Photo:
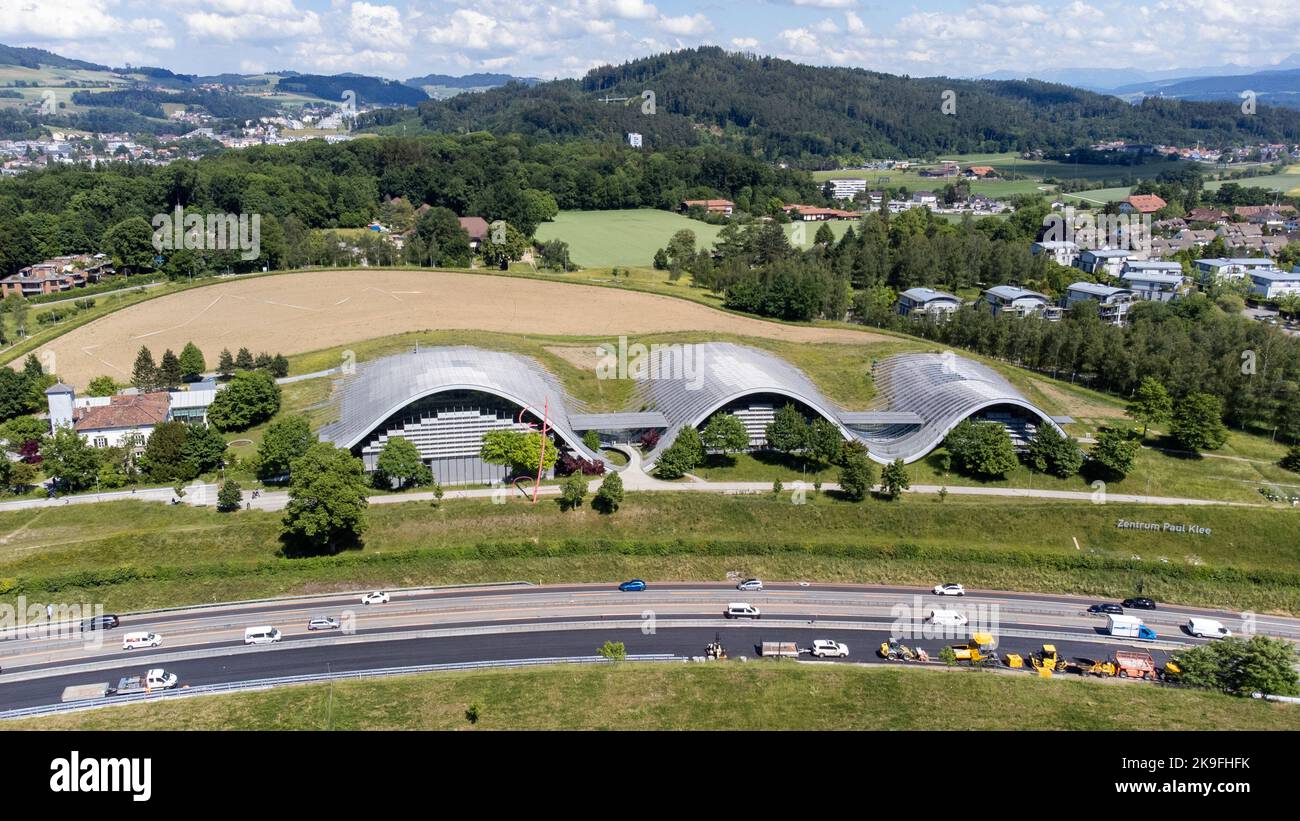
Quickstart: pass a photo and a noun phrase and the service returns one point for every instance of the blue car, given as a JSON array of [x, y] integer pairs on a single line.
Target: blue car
[[633, 586]]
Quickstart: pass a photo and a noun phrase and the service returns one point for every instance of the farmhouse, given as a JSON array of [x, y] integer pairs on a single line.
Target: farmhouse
[[981, 172], [814, 213], [712, 206], [1142, 204], [126, 418], [477, 228]]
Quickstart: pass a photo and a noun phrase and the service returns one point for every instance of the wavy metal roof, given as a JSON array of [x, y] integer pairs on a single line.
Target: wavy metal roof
[[715, 374], [382, 387], [942, 389], [924, 395]]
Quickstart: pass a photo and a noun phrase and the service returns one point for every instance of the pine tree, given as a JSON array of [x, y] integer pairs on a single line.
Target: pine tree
[[225, 364], [244, 360], [170, 373], [145, 373]]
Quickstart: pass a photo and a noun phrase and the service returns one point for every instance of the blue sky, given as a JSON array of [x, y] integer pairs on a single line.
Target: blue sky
[[566, 37]]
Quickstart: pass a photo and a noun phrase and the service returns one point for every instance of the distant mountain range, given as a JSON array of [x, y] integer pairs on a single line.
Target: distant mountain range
[[1274, 85], [369, 90]]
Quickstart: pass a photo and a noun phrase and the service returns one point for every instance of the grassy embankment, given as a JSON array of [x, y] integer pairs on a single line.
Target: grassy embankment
[[134, 555], [753, 696]]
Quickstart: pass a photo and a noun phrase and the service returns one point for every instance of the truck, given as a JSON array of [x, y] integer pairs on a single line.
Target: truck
[[1135, 664], [978, 650], [779, 649], [155, 679], [1129, 627]]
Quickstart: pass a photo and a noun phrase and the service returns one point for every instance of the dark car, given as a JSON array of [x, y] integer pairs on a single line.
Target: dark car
[[1107, 607], [633, 586], [105, 622], [1139, 604]]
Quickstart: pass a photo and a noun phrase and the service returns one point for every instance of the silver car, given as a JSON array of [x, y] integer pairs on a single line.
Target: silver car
[[323, 623], [750, 584]]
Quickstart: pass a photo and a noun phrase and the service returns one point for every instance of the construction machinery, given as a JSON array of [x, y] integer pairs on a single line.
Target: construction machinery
[[1135, 664], [714, 651], [1094, 667], [978, 650], [895, 650], [1047, 659]]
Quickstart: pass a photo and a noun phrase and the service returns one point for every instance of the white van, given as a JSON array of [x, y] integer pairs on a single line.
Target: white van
[[741, 610], [143, 639], [1207, 629], [261, 635], [947, 618]]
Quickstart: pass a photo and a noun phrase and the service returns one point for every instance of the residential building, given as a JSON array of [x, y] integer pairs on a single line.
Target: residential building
[[634, 139], [1108, 261], [1112, 303], [58, 274], [815, 213], [935, 304], [1142, 204], [1231, 268], [1154, 285], [847, 189], [925, 198], [1064, 252], [1213, 215], [1016, 301], [477, 228], [1273, 284], [981, 172], [127, 418], [712, 206]]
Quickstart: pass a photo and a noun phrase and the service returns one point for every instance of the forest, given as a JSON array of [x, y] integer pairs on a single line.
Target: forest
[[816, 117], [71, 209]]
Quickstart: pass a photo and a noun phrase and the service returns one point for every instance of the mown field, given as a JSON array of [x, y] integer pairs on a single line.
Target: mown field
[[727, 696], [136, 555]]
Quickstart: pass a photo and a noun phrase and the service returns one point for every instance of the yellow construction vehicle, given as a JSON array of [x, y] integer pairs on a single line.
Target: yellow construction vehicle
[[978, 650], [1047, 659], [1095, 667]]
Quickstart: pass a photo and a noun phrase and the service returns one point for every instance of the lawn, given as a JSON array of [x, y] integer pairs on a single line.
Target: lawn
[[629, 238], [1288, 182], [726, 696], [135, 555]]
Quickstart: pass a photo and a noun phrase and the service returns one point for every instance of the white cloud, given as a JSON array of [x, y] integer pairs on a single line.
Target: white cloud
[[377, 25], [52, 20], [691, 25]]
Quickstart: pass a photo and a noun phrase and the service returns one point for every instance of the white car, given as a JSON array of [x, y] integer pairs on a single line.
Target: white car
[[823, 648], [377, 597], [949, 590], [741, 610], [750, 584]]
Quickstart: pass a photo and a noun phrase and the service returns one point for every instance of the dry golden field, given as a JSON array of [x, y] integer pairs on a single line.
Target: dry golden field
[[296, 313]]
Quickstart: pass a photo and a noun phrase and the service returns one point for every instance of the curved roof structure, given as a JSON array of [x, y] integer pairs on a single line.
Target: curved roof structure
[[925, 396], [382, 387], [942, 390], [713, 374]]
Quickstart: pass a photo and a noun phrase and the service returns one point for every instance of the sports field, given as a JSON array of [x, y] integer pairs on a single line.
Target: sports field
[[295, 313]]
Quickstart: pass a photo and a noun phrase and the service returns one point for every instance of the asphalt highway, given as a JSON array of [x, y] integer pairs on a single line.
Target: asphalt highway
[[204, 645]]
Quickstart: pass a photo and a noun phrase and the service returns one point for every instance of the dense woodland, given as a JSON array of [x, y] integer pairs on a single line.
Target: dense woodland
[[313, 184], [818, 117]]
